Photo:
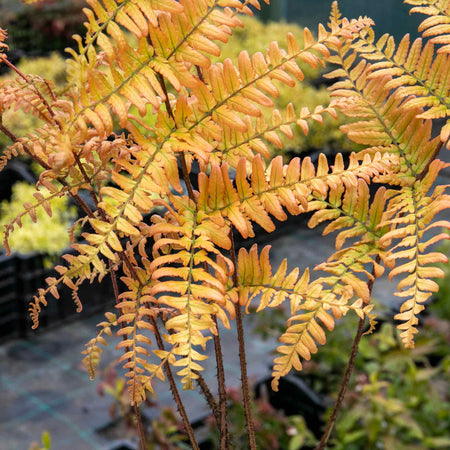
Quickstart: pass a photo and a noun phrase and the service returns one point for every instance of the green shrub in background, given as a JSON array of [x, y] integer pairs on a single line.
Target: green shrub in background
[[441, 300], [42, 25], [256, 36], [51, 68], [48, 234], [385, 410]]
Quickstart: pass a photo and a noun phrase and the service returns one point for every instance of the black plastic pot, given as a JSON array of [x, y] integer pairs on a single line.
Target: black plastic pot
[[121, 445], [20, 278], [14, 172], [294, 397]]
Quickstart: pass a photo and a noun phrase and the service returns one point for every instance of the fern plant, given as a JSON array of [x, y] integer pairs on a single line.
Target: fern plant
[[182, 271]]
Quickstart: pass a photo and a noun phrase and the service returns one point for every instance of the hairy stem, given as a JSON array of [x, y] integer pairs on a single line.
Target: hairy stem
[[137, 414], [348, 373], [8, 133], [344, 385], [242, 357], [186, 178], [174, 389], [222, 422], [208, 396], [88, 181]]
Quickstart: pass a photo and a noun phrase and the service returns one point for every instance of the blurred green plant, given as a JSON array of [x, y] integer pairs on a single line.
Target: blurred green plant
[[167, 432], [385, 410], [47, 234], [46, 442], [440, 305], [52, 68], [256, 36]]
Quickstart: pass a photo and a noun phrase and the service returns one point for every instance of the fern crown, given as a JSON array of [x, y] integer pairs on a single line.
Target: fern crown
[[144, 102]]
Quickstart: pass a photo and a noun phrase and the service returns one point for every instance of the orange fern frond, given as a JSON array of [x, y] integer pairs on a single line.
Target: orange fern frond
[[269, 191], [3, 36], [410, 215], [135, 308], [27, 95], [190, 240], [383, 125], [419, 75], [256, 280], [438, 24], [93, 351]]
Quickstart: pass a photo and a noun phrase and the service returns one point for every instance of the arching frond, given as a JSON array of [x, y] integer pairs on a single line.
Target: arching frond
[[438, 24], [383, 125], [419, 76], [269, 191], [93, 350], [410, 215], [190, 239]]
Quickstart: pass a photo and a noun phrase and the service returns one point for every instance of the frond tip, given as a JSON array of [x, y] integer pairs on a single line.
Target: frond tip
[[410, 214]]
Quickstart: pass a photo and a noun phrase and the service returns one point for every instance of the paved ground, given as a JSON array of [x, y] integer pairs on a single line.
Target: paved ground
[[44, 387]]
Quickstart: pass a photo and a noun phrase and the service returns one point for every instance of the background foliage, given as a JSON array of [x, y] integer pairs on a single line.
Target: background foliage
[[45, 234]]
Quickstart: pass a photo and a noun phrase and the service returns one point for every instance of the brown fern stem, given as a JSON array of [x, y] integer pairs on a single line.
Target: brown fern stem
[[174, 389], [8, 133], [137, 414], [422, 174], [221, 418], [208, 395], [186, 176], [344, 385], [222, 422], [242, 357], [348, 372], [88, 181]]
